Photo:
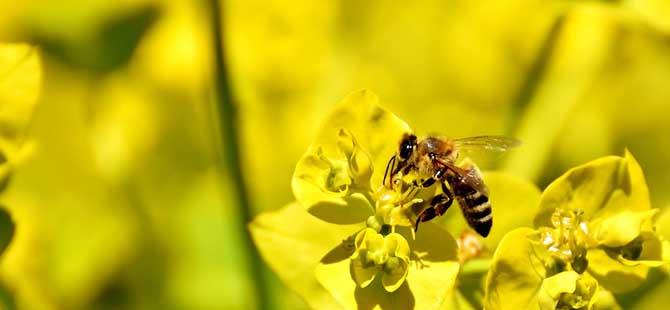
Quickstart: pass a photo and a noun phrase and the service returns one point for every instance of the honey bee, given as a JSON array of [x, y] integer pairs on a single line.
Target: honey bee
[[433, 159]]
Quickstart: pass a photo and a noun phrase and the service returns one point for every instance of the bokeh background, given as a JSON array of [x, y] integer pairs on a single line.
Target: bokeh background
[[126, 199]]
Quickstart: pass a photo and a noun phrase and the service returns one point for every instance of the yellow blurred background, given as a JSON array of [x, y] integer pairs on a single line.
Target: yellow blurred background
[[123, 199]]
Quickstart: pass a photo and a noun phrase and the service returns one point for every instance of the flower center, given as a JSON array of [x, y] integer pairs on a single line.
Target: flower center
[[399, 205], [568, 240]]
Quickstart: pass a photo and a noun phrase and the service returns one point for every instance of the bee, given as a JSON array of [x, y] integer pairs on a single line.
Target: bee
[[433, 159]]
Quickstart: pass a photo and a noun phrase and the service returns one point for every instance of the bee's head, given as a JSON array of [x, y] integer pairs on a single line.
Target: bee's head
[[407, 146]]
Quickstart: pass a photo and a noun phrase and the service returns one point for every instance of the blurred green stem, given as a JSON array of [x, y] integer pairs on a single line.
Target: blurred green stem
[[477, 266], [231, 152]]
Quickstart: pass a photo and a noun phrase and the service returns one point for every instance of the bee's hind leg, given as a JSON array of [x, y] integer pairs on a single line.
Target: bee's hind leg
[[424, 216], [438, 206]]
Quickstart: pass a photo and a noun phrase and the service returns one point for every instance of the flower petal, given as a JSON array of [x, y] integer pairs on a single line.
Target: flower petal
[[397, 245], [322, 185], [621, 228], [612, 274], [604, 186], [395, 273], [433, 265], [292, 242], [377, 130], [604, 300], [516, 274], [649, 249], [554, 286], [362, 274], [336, 277]]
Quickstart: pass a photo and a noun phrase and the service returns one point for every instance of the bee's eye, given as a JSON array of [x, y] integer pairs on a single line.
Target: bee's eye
[[406, 149]]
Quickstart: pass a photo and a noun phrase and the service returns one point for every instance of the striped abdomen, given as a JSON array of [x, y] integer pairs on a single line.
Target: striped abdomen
[[475, 205]]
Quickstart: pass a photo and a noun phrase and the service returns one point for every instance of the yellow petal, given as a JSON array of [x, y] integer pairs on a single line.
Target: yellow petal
[[377, 130], [437, 267], [363, 275], [516, 274], [323, 186], [396, 270], [292, 243], [601, 187], [621, 228], [397, 245], [554, 286], [613, 275]]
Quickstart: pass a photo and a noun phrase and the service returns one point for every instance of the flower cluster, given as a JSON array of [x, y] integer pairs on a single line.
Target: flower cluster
[[348, 240], [357, 231], [594, 237]]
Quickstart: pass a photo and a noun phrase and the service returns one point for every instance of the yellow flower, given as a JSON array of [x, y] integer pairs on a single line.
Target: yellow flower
[[594, 237], [376, 253], [355, 244]]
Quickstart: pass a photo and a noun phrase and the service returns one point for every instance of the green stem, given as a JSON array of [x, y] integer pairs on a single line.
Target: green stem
[[231, 153], [476, 266], [569, 64]]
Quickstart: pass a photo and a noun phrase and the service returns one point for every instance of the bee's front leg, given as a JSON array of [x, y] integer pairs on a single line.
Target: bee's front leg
[[437, 176], [390, 165]]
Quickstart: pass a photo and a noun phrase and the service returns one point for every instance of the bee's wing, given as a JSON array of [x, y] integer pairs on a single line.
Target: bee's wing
[[471, 177], [496, 144], [484, 149]]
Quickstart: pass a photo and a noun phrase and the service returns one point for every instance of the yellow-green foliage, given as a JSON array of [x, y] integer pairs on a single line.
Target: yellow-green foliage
[[114, 193]]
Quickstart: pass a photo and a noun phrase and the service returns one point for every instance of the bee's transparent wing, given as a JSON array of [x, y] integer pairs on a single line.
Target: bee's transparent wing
[[472, 177], [496, 144], [485, 149]]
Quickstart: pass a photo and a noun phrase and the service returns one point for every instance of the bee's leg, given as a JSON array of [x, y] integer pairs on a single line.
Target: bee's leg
[[391, 164], [438, 206], [425, 215], [445, 201], [437, 176], [405, 169]]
